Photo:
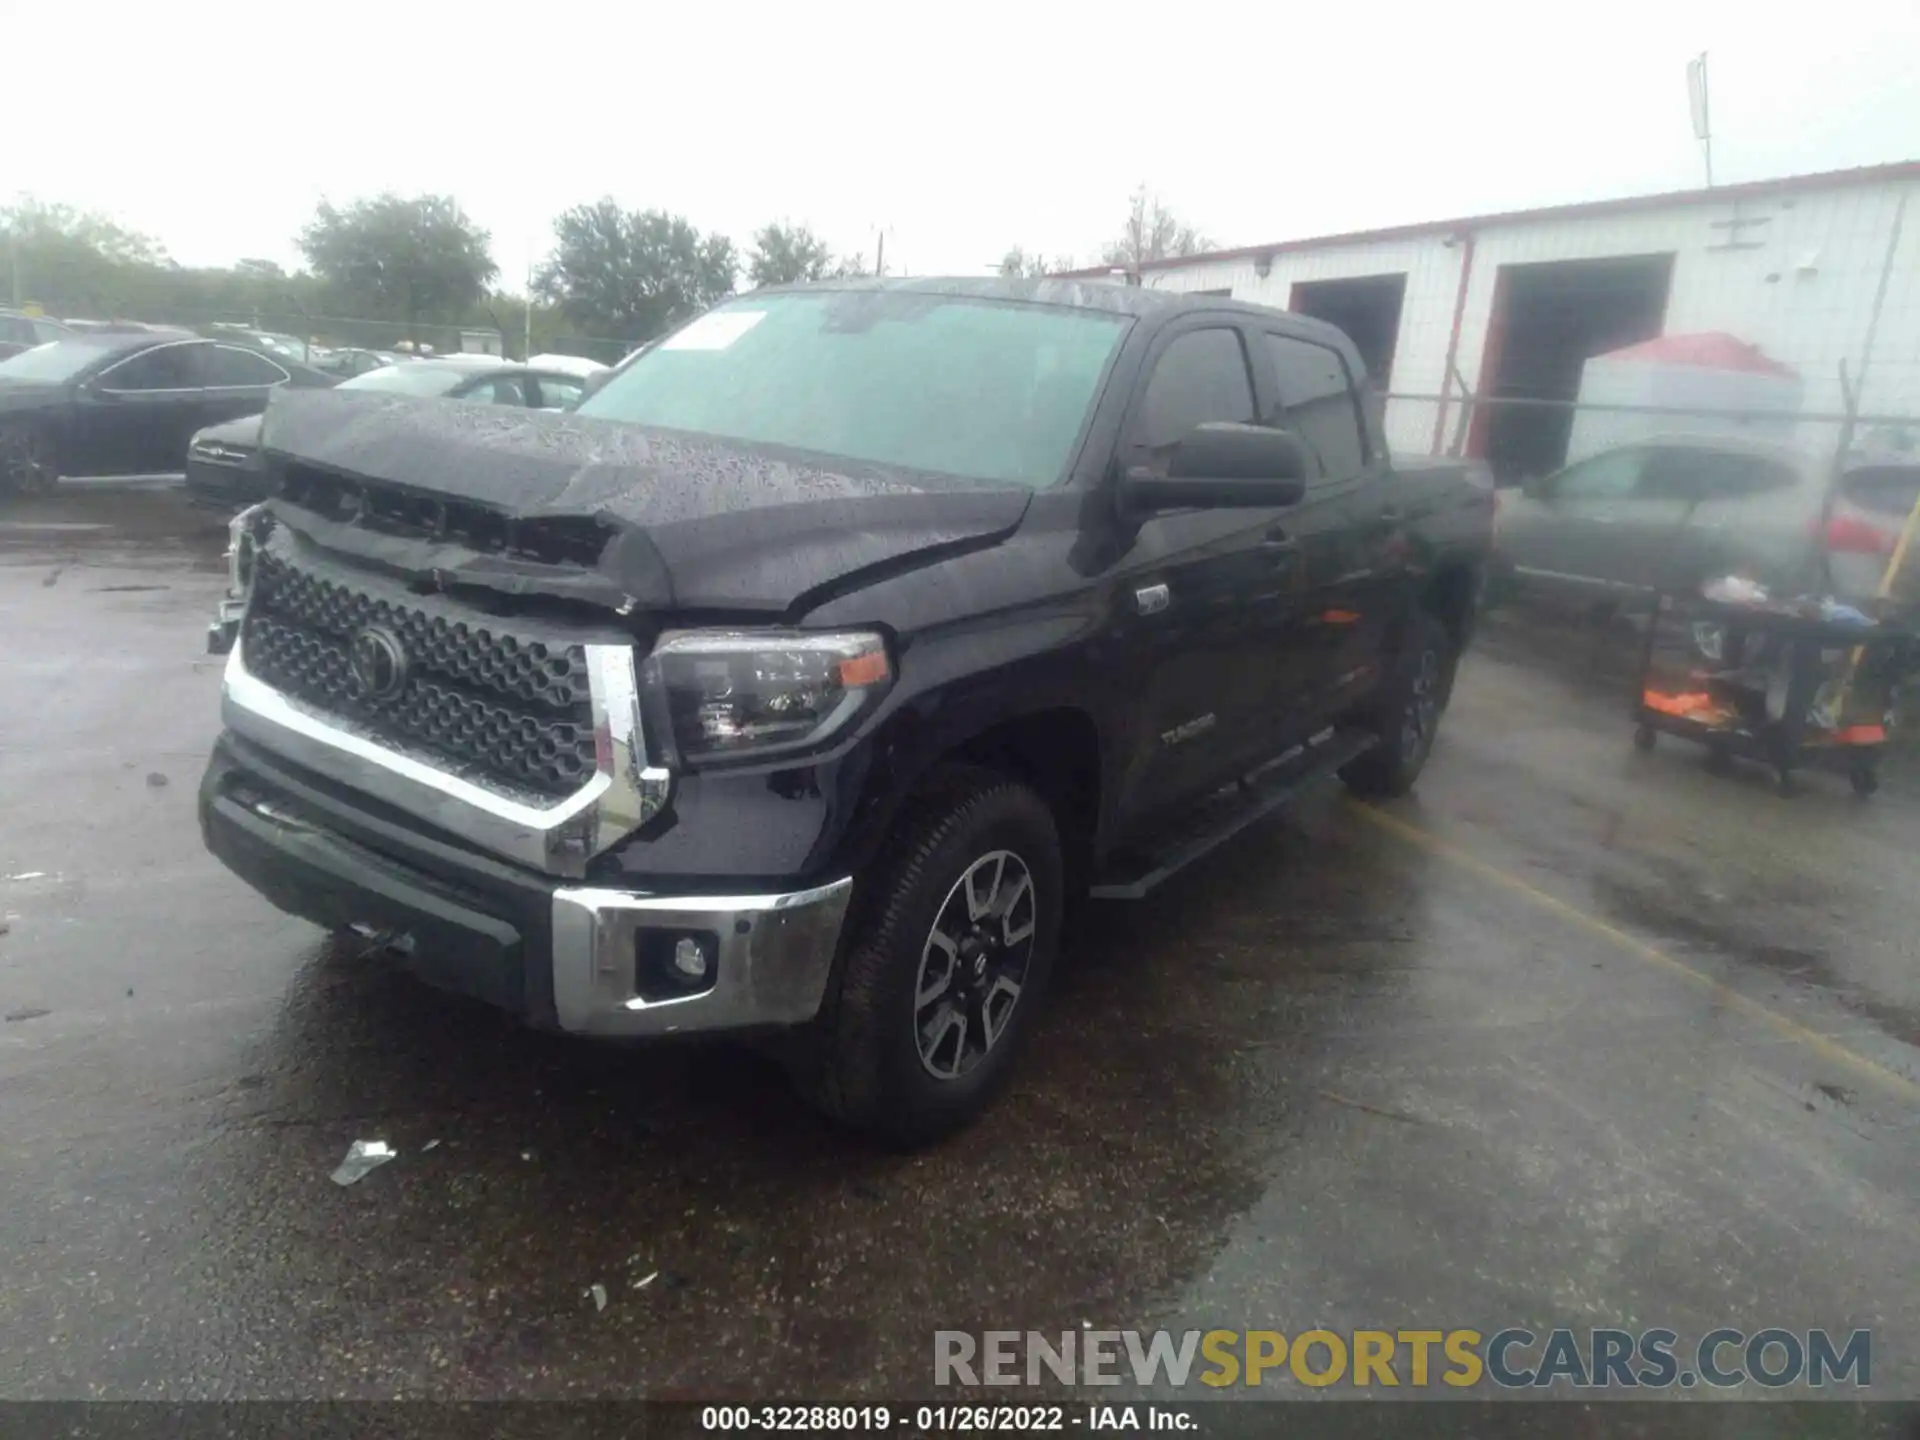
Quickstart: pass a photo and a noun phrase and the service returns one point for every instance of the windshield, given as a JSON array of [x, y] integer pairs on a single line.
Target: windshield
[[61, 360], [989, 390], [407, 378]]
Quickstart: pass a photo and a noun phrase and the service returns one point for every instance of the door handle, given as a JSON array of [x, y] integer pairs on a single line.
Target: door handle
[[1278, 542]]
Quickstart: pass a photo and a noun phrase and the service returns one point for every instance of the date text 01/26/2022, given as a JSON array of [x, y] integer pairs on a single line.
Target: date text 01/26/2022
[[945, 1419]]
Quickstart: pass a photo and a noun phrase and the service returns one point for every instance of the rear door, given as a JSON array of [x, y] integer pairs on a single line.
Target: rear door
[[1342, 532], [1751, 513], [137, 415], [239, 382], [1202, 593]]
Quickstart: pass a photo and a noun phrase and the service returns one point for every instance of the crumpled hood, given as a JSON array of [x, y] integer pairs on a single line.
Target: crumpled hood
[[696, 524], [241, 434]]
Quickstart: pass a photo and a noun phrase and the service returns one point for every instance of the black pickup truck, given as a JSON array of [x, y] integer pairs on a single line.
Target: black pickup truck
[[802, 680]]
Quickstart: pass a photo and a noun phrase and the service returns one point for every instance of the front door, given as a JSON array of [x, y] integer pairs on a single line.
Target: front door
[[1200, 595], [1566, 533], [136, 416]]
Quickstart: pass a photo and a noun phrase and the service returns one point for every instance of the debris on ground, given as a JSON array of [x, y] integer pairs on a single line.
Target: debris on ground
[[30, 1012], [29, 875], [155, 779], [526, 1154], [648, 1280], [430, 1145], [599, 1294], [363, 1157]]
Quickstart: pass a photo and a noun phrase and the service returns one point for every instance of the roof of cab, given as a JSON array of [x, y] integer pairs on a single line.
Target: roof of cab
[[1131, 300]]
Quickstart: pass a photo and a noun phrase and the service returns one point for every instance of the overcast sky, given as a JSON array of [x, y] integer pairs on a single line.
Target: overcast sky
[[961, 128]]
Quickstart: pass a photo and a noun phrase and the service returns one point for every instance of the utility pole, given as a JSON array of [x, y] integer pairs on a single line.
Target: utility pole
[[527, 353], [1697, 98], [880, 253], [13, 245]]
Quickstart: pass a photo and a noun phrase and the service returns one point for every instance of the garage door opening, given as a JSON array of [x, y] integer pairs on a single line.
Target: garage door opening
[[1367, 308], [1548, 321]]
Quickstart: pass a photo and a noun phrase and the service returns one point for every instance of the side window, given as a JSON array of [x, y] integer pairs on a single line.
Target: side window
[[1318, 404], [499, 390], [45, 332], [1611, 476], [17, 329], [169, 367], [1201, 377], [1736, 477], [232, 368], [560, 394]]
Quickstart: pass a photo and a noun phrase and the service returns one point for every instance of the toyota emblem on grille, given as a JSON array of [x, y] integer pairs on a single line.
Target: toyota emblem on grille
[[379, 663]]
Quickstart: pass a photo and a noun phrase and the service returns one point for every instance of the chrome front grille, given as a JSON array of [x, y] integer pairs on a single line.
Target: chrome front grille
[[492, 701]]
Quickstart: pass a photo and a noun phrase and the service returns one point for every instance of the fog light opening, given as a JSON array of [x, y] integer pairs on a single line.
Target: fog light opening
[[673, 964]]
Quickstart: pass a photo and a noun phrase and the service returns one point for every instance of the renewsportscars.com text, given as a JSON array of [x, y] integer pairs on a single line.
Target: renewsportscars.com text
[[1513, 1358]]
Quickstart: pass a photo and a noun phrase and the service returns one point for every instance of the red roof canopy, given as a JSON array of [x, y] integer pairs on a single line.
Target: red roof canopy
[[1713, 350]]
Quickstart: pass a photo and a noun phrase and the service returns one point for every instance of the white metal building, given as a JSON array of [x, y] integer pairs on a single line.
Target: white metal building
[[1512, 305]]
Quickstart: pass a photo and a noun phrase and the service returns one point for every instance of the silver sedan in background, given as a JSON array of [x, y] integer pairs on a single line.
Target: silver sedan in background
[[1669, 514]]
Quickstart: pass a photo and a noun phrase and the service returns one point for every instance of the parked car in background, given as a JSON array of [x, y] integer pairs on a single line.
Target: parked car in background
[[21, 331], [126, 403], [120, 327], [292, 347], [353, 361], [1669, 514], [223, 470], [579, 365]]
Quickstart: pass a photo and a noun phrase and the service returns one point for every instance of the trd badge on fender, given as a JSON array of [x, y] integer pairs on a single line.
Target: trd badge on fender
[[378, 663]]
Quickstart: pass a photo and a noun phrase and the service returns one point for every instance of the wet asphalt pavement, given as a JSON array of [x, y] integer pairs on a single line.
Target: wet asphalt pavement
[[1574, 1036]]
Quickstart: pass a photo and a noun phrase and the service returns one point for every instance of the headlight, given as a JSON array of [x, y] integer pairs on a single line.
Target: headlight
[[756, 694], [215, 453], [244, 534]]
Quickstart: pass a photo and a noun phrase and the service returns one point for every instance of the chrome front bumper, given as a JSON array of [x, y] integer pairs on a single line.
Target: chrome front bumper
[[774, 954], [582, 959]]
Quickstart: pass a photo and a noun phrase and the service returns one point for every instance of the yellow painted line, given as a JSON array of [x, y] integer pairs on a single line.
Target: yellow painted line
[[1824, 1045]]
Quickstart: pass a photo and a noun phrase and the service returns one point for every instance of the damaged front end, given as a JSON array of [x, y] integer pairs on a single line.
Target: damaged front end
[[244, 534]]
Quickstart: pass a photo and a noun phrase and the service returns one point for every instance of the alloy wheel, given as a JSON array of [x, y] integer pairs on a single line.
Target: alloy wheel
[[1423, 708], [974, 964]]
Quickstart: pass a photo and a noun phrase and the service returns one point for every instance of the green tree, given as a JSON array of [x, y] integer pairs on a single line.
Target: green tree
[[1151, 232], [629, 275], [786, 255], [1022, 264], [850, 267], [400, 258], [72, 261]]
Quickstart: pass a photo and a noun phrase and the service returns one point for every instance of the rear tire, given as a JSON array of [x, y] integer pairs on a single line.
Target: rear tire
[[1406, 718], [28, 462], [921, 1029]]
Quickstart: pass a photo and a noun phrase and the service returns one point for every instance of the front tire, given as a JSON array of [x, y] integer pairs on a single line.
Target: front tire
[[947, 964], [1406, 719]]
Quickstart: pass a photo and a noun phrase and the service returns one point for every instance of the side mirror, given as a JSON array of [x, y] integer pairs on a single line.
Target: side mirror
[[1222, 466]]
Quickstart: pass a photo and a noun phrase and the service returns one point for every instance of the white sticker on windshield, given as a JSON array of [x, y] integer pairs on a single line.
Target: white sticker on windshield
[[716, 331]]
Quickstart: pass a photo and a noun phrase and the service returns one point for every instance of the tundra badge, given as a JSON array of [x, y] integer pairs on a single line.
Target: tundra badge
[[1151, 599]]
